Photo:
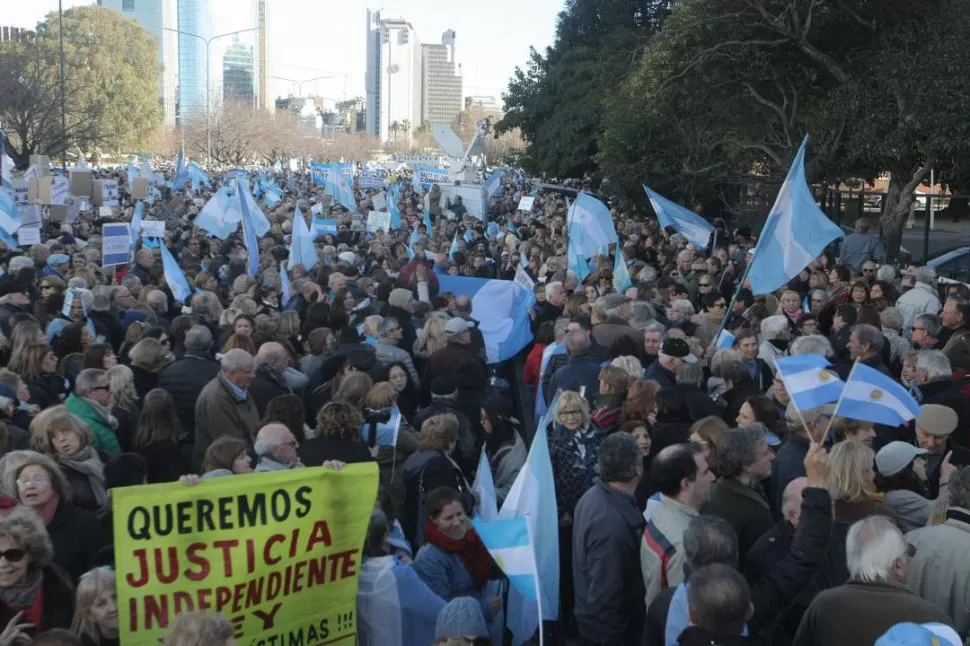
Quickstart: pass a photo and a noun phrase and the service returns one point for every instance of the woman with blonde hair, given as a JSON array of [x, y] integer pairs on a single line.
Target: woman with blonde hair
[[790, 305], [851, 483], [200, 629], [124, 404], [64, 437], [148, 358], [431, 337], [96, 608]]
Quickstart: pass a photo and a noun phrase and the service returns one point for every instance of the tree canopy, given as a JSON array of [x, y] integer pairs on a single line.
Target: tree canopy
[[111, 85]]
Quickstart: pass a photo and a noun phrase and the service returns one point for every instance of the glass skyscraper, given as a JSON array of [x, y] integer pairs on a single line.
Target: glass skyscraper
[[193, 18]]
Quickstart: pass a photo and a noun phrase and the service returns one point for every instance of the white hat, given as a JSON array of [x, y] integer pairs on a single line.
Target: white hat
[[457, 325], [347, 256], [893, 458]]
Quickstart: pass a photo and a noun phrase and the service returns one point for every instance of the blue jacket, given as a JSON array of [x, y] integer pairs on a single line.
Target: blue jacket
[[448, 577], [579, 372]]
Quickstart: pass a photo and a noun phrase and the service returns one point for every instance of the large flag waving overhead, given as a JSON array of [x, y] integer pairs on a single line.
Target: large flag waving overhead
[[302, 251], [809, 381], [249, 231], [696, 229], [872, 396], [174, 277], [795, 233], [181, 172], [589, 220]]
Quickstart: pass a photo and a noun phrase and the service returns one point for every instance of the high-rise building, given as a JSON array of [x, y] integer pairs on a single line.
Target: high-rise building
[[483, 102], [13, 34], [158, 17], [238, 79], [393, 77], [441, 96], [194, 70], [263, 18]]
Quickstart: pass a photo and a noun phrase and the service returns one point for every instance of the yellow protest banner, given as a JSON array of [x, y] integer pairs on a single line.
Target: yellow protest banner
[[276, 553]]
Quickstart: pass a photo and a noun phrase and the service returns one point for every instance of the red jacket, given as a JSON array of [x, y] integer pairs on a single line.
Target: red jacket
[[533, 364]]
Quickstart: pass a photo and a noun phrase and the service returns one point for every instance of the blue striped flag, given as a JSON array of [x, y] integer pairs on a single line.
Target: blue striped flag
[[696, 229], [871, 396], [509, 543], [809, 381], [10, 215], [484, 486], [621, 274], [174, 277], [249, 230]]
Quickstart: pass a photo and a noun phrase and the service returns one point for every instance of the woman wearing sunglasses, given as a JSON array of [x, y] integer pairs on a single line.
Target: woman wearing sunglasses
[[35, 595]]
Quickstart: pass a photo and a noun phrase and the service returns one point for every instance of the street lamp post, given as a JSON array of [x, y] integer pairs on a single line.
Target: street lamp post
[[60, 29], [208, 42], [299, 84]]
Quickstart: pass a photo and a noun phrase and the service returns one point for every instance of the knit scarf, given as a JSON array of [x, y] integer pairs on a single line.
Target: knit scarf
[[87, 463], [469, 549], [103, 413], [21, 597]]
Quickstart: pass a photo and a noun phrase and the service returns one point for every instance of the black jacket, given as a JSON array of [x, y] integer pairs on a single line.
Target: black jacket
[[469, 445], [315, 452], [581, 372], [745, 508], [112, 325], [142, 274], [47, 390], [145, 381], [408, 334], [607, 531], [184, 380], [735, 399], [76, 536], [81, 489], [265, 387], [947, 393], [58, 602], [661, 375], [789, 464], [165, 461], [424, 472]]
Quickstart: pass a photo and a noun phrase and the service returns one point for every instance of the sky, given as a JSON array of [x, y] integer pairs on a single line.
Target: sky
[[310, 38]]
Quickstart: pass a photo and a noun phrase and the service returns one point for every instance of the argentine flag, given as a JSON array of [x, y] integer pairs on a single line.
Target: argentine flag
[[10, 216], [502, 310], [302, 251], [249, 231], [493, 184], [484, 486], [696, 229], [324, 227], [590, 222], [871, 396], [509, 544], [221, 215], [621, 275], [136, 223], [454, 247], [795, 233], [285, 288], [809, 381], [174, 277], [181, 172]]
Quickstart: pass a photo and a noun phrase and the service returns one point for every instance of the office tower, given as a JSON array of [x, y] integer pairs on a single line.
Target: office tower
[[158, 17], [393, 77], [238, 79], [441, 86], [194, 68], [263, 21]]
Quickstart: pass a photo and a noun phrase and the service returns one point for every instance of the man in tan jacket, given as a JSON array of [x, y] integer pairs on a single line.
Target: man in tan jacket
[[224, 406]]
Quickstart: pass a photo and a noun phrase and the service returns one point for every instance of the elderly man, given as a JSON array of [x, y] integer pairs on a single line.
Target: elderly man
[[938, 571], [926, 332], [865, 346], [463, 309], [158, 302], [607, 526], [875, 598], [608, 316], [144, 261], [653, 336], [276, 448], [225, 406], [552, 308], [185, 379], [934, 426], [91, 402], [14, 299], [673, 353], [790, 458], [934, 376], [390, 333], [921, 299], [581, 373], [861, 246], [444, 362], [270, 363], [955, 316]]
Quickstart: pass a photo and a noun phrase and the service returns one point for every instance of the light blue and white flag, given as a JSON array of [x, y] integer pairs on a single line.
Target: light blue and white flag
[[222, 214], [621, 274], [386, 432], [324, 227], [410, 251], [576, 260], [501, 308], [590, 223], [393, 196], [509, 544], [724, 340], [320, 175], [285, 287], [278, 167], [6, 163], [533, 497], [181, 172], [454, 247], [795, 233], [696, 229], [136, 223], [260, 223], [249, 232], [809, 380], [493, 184], [10, 215], [484, 486], [413, 240], [302, 250], [427, 222], [198, 176], [871, 396], [174, 277]]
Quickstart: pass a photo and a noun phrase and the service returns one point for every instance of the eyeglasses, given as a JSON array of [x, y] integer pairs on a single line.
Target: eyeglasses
[[13, 556], [35, 480]]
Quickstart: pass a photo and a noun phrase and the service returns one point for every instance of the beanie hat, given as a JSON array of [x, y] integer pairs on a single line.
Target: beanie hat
[[461, 617]]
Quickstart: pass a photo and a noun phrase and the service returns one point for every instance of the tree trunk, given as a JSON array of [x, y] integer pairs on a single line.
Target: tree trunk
[[899, 198]]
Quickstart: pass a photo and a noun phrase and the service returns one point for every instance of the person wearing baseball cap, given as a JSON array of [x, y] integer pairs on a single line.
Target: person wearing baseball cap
[[934, 426], [674, 352], [901, 477]]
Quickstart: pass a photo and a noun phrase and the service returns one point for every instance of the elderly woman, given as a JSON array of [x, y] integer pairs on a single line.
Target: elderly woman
[[901, 479], [200, 629], [432, 467], [454, 562], [394, 606], [338, 437], [679, 314], [775, 334], [790, 306], [91, 401], [31, 588], [148, 358], [75, 533], [851, 483], [57, 433], [96, 608]]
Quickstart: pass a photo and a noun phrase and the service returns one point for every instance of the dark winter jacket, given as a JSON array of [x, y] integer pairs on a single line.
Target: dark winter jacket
[[184, 381], [745, 508], [57, 602], [76, 536], [424, 472], [469, 445], [318, 450], [48, 390], [266, 386], [581, 374]]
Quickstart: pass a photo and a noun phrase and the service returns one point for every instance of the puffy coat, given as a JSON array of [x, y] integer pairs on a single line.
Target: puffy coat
[[184, 381]]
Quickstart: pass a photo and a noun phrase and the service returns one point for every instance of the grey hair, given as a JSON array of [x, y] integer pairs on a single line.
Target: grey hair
[[683, 306], [935, 364], [157, 300], [730, 369], [931, 322], [552, 288], [77, 282], [710, 539], [87, 298], [560, 327], [628, 364], [198, 339], [960, 488], [691, 374], [618, 458], [719, 599], [869, 335], [377, 531], [577, 343], [236, 360], [263, 445], [207, 305], [654, 326], [788, 495], [131, 281], [886, 273], [925, 275], [738, 449], [872, 547], [773, 327], [387, 325], [811, 344], [647, 275], [642, 314], [102, 298], [891, 319], [87, 379]]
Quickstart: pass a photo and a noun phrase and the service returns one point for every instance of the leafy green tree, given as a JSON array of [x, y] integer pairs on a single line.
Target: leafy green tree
[[111, 85]]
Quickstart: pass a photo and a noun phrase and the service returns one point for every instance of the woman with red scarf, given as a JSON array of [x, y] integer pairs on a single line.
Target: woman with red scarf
[[33, 590], [454, 562]]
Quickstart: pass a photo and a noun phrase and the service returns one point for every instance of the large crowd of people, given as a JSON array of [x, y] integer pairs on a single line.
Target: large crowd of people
[[696, 504]]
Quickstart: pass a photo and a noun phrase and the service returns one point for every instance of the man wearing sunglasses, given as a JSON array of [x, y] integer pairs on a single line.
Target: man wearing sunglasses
[[91, 401]]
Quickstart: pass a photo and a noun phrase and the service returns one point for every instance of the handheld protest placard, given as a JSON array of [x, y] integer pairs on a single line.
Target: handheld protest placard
[[277, 553]]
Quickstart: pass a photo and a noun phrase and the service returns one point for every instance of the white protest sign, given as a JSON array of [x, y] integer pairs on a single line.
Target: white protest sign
[[522, 278], [28, 236], [31, 216], [379, 202], [152, 229], [378, 221], [115, 244], [316, 209], [525, 203], [109, 193], [357, 223], [105, 212], [59, 190]]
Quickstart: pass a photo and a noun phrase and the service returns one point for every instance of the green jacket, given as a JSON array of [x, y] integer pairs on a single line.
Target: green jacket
[[104, 436]]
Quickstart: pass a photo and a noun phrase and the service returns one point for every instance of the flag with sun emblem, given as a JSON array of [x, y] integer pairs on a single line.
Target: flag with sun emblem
[[508, 543], [809, 381], [871, 396]]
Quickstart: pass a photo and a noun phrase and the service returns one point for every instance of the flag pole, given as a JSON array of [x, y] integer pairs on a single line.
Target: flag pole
[[730, 307], [797, 409], [839, 402], [535, 566]]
